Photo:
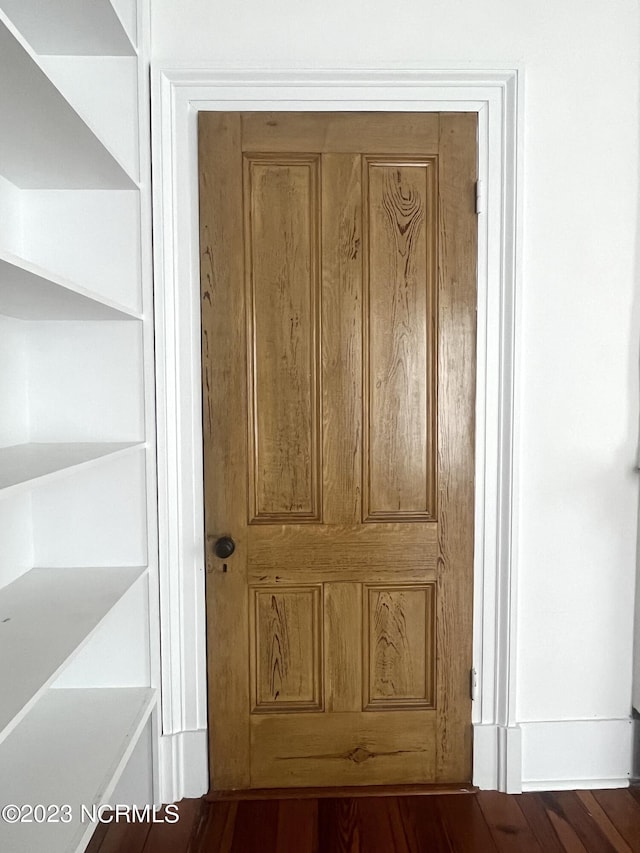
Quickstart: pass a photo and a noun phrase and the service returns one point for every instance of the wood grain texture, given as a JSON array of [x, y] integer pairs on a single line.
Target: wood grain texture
[[479, 822], [377, 133], [399, 647], [215, 829], [456, 396], [384, 829], [342, 337], [309, 793], [282, 247], [623, 810], [399, 341], [261, 816], [297, 354], [343, 639], [535, 812], [225, 450], [339, 826], [576, 829], [464, 825], [166, 837], [297, 826], [287, 637], [342, 748], [425, 826], [343, 552], [507, 823], [608, 829]]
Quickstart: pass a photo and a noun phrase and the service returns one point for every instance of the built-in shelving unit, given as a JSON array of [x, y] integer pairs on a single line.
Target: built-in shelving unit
[[70, 27], [30, 292], [24, 463], [71, 749], [46, 616], [45, 144], [78, 581]]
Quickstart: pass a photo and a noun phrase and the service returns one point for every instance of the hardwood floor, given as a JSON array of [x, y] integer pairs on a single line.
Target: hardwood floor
[[483, 822]]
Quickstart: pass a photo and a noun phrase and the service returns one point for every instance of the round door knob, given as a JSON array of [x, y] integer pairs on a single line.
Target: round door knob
[[224, 547]]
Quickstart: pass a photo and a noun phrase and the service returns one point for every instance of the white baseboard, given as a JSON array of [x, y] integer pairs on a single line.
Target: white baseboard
[[574, 754], [497, 758], [184, 768], [576, 784]]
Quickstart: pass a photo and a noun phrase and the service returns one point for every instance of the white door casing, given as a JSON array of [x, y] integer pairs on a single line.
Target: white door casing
[[178, 95]]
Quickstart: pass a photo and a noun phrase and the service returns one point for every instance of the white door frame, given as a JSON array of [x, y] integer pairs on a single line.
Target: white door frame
[[178, 95]]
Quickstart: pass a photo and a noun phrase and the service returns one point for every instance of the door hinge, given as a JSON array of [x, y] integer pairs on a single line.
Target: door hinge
[[473, 684], [479, 197]]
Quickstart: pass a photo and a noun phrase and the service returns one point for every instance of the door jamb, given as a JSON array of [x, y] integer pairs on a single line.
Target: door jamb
[[178, 95]]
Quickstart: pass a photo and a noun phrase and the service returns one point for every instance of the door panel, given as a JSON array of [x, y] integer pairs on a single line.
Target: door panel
[[282, 244], [338, 342], [342, 749], [399, 647], [286, 667], [398, 338]]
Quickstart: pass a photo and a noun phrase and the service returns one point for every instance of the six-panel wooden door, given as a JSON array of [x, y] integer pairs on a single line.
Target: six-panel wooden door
[[338, 346]]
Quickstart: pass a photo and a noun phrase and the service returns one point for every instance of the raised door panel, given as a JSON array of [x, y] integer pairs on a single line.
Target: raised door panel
[[400, 238], [282, 269], [399, 647], [287, 644], [368, 748]]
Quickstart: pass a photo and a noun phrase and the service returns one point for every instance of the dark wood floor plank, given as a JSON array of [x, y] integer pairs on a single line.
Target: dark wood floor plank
[[423, 825], [256, 827], [566, 833], [215, 830], [126, 838], [97, 838], [560, 822], [598, 814], [297, 826], [566, 807], [382, 826], [623, 810], [534, 810], [166, 837], [338, 826], [464, 824], [507, 824]]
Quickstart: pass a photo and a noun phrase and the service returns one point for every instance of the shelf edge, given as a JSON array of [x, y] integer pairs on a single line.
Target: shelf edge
[[134, 183], [129, 447]]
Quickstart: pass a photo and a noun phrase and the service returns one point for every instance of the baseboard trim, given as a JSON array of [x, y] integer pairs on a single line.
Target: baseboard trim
[[574, 754], [575, 784], [183, 765], [497, 758]]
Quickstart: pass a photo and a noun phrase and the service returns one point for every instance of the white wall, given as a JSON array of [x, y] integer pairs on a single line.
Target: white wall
[[578, 376]]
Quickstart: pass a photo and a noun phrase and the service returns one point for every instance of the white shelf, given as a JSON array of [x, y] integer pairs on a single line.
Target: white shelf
[[103, 90], [24, 463], [70, 749], [44, 144], [29, 292], [73, 27], [46, 616]]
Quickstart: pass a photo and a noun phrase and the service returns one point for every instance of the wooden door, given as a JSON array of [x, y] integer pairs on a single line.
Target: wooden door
[[338, 345]]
